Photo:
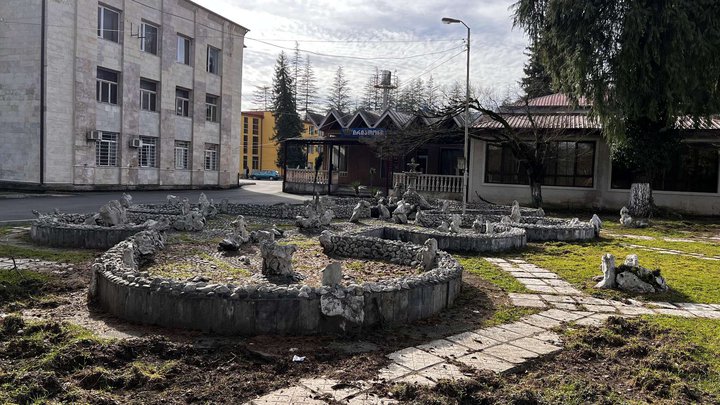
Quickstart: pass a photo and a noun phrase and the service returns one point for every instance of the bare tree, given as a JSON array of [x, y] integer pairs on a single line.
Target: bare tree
[[531, 143], [307, 87], [262, 97]]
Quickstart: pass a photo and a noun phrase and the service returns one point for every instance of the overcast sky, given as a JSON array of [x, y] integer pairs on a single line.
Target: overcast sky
[[363, 34]]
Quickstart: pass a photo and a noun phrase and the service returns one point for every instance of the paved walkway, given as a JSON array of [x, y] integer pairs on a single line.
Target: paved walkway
[[501, 349]]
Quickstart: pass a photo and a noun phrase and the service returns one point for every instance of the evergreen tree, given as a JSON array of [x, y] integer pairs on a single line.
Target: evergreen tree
[[287, 121], [339, 97], [431, 95], [537, 81], [372, 97], [296, 70], [643, 64], [307, 87], [262, 97]]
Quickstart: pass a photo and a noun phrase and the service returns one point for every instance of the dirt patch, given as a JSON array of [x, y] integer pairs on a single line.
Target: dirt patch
[[184, 261], [623, 361]]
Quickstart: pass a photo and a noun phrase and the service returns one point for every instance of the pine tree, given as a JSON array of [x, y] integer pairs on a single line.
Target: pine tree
[[339, 97], [371, 99], [287, 121], [262, 97], [296, 70], [307, 87], [537, 81], [431, 95]]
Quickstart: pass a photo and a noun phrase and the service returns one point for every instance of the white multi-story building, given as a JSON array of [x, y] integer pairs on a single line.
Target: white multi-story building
[[118, 94]]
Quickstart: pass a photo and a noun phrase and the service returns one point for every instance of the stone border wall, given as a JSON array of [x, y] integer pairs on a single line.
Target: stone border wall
[[505, 238], [538, 229], [69, 235], [122, 290]]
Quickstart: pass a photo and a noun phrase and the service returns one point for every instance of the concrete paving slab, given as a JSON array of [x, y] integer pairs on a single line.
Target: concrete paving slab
[[414, 379], [443, 371], [525, 296], [334, 388], [558, 298], [370, 399], [674, 312], [528, 303], [636, 311], [565, 306], [542, 289], [392, 372], [567, 290], [480, 361], [510, 353], [541, 321], [499, 334], [532, 281], [536, 345], [414, 358], [706, 314], [561, 315], [446, 348], [473, 341], [544, 275], [292, 395], [522, 328], [600, 308]]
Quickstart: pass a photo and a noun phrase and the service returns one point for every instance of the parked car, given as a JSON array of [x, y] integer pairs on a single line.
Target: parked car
[[265, 175]]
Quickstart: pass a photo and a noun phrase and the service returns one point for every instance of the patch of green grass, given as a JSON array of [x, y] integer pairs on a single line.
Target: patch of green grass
[[705, 333], [300, 242], [152, 371], [702, 247], [492, 273], [174, 270], [508, 314], [690, 279], [53, 255], [234, 271], [15, 284], [666, 228]]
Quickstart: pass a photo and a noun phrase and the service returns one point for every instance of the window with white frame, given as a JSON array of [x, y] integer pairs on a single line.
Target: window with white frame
[[182, 155], [213, 60], [148, 95], [147, 153], [108, 24], [182, 102], [211, 108], [106, 88], [149, 38], [211, 156], [106, 149], [183, 49]]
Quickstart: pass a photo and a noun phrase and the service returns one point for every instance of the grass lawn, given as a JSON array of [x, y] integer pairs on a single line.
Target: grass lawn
[[49, 254], [488, 271], [690, 279]]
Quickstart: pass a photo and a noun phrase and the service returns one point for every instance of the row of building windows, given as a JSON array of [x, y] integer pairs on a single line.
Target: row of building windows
[[109, 29], [572, 164], [106, 152], [107, 92]]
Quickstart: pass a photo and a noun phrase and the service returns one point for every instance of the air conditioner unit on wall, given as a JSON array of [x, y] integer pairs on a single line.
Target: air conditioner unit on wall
[[135, 142], [93, 135]]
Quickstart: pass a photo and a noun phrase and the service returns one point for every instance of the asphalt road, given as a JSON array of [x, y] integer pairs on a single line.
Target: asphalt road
[[20, 209]]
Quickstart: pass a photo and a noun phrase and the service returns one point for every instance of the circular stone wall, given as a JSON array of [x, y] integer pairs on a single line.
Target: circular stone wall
[[503, 239], [122, 290], [80, 236]]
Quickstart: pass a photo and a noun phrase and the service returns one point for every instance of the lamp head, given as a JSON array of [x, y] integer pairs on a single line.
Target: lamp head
[[447, 20]]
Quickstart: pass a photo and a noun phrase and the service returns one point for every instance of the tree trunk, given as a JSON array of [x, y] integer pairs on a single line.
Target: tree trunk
[[641, 201], [536, 193]]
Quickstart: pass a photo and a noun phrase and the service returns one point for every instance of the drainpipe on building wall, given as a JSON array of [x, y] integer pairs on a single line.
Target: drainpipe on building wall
[[42, 91]]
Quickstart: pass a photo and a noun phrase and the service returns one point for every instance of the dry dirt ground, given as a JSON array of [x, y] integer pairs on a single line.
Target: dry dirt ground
[[43, 356]]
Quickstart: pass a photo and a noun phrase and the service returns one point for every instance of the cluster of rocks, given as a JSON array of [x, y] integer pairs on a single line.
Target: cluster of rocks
[[630, 276], [362, 247], [629, 222], [318, 215]]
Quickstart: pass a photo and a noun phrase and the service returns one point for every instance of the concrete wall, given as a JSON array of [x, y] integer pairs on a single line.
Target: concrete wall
[[20, 63], [600, 197], [73, 54]]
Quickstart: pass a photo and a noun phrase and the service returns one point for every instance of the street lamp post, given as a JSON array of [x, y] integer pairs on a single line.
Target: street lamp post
[[466, 153]]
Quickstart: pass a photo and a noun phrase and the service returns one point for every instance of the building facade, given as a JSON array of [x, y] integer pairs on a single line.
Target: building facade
[[579, 171], [118, 94], [258, 150]]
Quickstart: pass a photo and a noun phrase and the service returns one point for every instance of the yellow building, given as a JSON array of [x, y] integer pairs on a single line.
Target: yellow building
[[258, 151]]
